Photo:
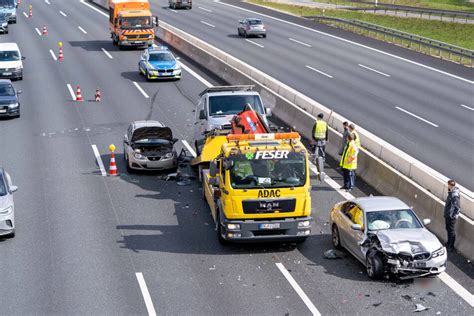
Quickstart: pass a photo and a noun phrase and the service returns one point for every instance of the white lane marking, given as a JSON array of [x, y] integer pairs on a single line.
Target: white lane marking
[[99, 160], [467, 107], [82, 30], [299, 42], [71, 91], [458, 288], [47, 2], [298, 289], [173, 10], [376, 71], [208, 24], [94, 8], [38, 31], [348, 41], [204, 9], [189, 148], [319, 71], [107, 53], [140, 89], [52, 54], [195, 75], [146, 295], [257, 44], [26, 15], [416, 116], [62, 13]]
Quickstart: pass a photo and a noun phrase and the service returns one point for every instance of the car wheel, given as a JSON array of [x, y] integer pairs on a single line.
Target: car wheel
[[300, 241], [147, 75], [6, 32], [11, 235], [264, 35], [221, 239], [336, 240], [197, 148], [127, 163], [245, 34], [374, 265]]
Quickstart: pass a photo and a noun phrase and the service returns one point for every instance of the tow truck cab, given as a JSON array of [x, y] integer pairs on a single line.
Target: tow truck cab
[[258, 188]]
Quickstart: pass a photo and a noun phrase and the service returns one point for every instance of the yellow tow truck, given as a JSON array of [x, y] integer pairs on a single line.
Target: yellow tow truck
[[257, 185]]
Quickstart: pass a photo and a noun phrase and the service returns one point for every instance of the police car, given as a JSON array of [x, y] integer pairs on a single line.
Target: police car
[[158, 62]]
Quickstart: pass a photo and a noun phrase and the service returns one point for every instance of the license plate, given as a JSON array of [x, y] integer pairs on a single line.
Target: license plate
[[419, 264], [269, 226], [7, 73], [3, 111]]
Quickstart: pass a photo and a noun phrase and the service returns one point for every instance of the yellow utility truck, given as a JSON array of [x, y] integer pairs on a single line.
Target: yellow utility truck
[[257, 186], [131, 23]]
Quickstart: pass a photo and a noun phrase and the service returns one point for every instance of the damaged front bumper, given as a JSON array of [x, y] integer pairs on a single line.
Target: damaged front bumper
[[408, 267]]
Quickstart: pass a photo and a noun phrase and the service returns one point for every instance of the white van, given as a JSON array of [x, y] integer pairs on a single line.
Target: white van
[[11, 65]]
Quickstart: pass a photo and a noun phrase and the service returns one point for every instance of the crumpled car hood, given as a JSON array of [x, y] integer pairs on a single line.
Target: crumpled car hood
[[408, 240]]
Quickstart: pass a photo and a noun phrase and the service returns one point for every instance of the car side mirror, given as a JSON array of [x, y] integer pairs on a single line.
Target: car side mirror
[[426, 221], [174, 140], [178, 58], [13, 188], [23, 57], [154, 20], [19, 92], [202, 115], [213, 168], [268, 112], [356, 227]]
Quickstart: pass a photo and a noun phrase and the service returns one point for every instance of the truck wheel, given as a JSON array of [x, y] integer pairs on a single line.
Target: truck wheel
[[336, 239], [374, 265], [197, 148], [221, 239]]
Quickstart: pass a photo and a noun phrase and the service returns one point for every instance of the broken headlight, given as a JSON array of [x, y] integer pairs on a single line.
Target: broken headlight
[[438, 252]]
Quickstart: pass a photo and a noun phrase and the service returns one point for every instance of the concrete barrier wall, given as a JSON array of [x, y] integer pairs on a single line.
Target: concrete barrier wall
[[383, 166]]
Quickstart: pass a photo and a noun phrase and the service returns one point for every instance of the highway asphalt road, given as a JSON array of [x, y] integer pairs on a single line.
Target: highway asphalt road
[[426, 112], [136, 244]]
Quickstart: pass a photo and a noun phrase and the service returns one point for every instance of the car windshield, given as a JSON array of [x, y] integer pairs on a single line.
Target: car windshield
[[268, 169], [255, 22], [162, 56], [233, 104], [3, 188], [6, 90], [393, 219], [136, 22], [7, 3], [9, 55]]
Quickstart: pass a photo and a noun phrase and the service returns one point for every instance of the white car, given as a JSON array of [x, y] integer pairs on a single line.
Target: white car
[[7, 207], [385, 235], [11, 65]]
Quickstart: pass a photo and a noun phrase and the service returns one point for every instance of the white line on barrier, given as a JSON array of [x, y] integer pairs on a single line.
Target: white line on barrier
[[82, 30], [53, 55], [416, 116], [173, 10], [107, 53], [467, 107], [146, 295], [204, 9], [196, 75], [458, 288], [371, 69], [62, 13], [94, 8], [298, 289], [348, 41], [26, 15], [140, 89], [321, 72], [257, 44], [71, 92], [208, 24], [99, 160], [299, 42], [38, 31], [189, 148]]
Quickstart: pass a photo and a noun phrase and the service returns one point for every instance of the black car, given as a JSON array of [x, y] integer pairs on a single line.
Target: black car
[[3, 24], [9, 103]]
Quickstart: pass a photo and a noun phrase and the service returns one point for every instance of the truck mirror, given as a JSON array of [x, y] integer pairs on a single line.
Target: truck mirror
[[202, 115], [213, 168], [426, 221], [154, 20], [268, 112]]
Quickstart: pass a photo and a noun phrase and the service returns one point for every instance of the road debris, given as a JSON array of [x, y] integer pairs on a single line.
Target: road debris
[[333, 254], [420, 308], [213, 267]]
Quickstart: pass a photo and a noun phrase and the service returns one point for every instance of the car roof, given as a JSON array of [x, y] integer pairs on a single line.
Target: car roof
[[158, 48], [380, 203], [5, 81], [9, 46], [253, 19], [140, 124]]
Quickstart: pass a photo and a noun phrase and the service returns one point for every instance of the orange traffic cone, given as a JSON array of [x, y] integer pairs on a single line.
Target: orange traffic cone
[[45, 30], [61, 55], [31, 11], [113, 167], [97, 95], [79, 95], [19, 2]]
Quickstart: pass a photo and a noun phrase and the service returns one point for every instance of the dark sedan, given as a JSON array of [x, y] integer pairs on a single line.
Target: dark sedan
[[9, 103]]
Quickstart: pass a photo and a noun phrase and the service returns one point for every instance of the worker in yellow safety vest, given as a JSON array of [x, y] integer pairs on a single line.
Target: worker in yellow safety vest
[[320, 136], [352, 129], [348, 163]]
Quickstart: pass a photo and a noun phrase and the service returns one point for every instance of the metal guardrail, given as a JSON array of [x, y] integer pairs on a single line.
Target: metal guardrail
[[435, 48]]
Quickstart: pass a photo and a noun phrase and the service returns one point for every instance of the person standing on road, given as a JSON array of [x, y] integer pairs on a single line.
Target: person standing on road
[[320, 136], [452, 209], [348, 163], [345, 133], [352, 129]]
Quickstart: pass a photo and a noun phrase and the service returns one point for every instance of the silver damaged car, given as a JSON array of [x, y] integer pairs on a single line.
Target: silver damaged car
[[7, 207], [387, 237], [149, 145]]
